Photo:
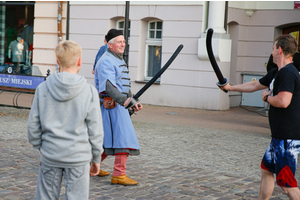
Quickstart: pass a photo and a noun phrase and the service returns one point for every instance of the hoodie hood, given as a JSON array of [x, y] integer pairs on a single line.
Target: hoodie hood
[[65, 86]]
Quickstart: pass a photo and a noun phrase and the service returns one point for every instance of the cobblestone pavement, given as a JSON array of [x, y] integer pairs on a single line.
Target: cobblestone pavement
[[181, 158]]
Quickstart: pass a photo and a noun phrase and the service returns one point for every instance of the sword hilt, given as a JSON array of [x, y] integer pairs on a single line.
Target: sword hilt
[[131, 110], [222, 84]]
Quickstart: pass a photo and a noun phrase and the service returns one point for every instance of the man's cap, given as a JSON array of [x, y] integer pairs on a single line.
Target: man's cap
[[112, 33]]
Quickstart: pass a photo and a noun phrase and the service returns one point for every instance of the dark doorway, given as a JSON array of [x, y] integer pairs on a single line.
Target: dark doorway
[[294, 31]]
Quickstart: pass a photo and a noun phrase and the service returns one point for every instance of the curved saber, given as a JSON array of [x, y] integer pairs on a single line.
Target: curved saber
[[156, 76], [159, 73], [222, 80]]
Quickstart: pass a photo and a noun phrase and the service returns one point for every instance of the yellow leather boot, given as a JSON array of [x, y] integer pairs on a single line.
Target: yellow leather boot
[[103, 173], [123, 180]]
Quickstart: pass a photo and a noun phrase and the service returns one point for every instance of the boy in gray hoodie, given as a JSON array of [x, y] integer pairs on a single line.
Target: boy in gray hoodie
[[65, 124]]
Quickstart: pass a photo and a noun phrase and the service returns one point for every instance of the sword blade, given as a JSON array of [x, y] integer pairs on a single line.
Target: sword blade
[[212, 57], [159, 73], [222, 80]]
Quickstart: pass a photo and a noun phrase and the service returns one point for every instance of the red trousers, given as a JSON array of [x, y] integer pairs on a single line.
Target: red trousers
[[120, 164]]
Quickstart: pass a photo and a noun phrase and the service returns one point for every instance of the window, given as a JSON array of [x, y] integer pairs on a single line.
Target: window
[[153, 49], [155, 30], [121, 26], [16, 37]]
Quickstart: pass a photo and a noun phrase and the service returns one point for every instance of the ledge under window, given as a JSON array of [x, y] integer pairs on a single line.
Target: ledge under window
[[155, 83]]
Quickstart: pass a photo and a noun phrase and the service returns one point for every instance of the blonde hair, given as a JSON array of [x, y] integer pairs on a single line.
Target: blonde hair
[[67, 53]]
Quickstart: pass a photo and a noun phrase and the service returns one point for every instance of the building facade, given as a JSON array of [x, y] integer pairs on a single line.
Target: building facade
[[244, 32]]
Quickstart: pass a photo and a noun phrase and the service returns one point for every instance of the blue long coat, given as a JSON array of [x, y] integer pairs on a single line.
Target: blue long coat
[[118, 128]]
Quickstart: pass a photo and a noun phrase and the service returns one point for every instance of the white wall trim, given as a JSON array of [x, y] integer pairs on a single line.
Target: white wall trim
[[136, 3]]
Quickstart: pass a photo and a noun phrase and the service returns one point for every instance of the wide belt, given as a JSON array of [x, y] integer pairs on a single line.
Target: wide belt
[[102, 96], [107, 102]]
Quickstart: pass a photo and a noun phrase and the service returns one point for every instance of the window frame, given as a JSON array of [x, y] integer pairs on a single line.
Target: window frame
[[122, 29], [151, 42]]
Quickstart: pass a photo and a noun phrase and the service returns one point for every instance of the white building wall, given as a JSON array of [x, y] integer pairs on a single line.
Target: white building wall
[[256, 35], [189, 82]]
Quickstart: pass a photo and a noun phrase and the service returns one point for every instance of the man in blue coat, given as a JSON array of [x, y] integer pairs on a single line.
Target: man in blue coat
[[113, 84]]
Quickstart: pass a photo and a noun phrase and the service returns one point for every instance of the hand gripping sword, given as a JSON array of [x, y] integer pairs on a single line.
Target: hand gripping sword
[[156, 76], [222, 80]]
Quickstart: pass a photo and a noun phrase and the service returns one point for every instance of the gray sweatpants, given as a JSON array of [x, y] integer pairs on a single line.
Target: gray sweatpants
[[76, 180]]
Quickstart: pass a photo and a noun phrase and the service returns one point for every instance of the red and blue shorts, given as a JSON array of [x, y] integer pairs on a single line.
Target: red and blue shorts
[[281, 159]]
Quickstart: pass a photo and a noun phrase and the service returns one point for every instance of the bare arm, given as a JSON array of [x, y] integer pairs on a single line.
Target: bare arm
[[251, 86], [281, 100]]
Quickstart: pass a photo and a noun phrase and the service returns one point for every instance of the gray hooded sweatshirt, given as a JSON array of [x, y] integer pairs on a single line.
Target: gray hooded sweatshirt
[[65, 121]]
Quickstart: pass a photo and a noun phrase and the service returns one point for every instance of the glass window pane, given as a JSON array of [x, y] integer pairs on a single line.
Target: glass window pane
[[152, 25], [151, 34], [154, 60], [16, 39], [159, 25], [158, 34], [121, 25]]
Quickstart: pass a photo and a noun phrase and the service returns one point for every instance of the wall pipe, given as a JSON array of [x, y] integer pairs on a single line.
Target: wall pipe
[[126, 52]]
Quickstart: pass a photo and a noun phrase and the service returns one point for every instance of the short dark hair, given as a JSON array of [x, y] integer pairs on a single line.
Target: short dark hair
[[287, 43]]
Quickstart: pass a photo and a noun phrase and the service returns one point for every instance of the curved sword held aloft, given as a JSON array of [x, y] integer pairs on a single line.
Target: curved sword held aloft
[[156, 76], [222, 80]]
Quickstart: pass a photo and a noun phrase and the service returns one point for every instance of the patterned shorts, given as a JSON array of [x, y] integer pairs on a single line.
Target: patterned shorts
[[281, 159]]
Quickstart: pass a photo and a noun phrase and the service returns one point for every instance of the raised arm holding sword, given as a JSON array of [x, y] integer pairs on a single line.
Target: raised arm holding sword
[[283, 95]]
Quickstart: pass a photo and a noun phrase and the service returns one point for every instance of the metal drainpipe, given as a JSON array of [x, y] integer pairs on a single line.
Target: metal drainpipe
[[68, 20], [59, 26], [226, 16], [126, 52]]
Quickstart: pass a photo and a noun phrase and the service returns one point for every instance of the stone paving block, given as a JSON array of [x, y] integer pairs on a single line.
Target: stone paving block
[[169, 167]]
